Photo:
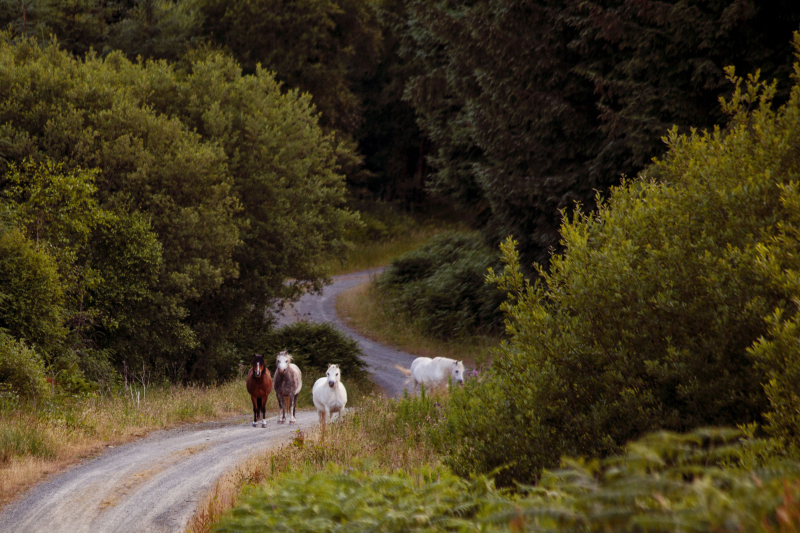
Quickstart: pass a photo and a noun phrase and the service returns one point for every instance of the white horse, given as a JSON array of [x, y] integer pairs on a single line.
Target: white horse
[[434, 372], [286, 383], [329, 395]]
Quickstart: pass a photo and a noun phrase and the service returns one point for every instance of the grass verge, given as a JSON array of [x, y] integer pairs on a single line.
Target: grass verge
[[46, 437], [371, 254], [362, 309], [382, 435]]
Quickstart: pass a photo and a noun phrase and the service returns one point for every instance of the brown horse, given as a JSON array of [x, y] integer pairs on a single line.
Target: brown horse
[[259, 385]]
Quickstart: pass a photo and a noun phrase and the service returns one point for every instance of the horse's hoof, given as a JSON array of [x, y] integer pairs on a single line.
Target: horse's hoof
[[263, 424], [254, 424], [293, 421]]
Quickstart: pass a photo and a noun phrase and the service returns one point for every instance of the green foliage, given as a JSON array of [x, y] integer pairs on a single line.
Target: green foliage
[[708, 480], [362, 500], [21, 368], [154, 29], [316, 46], [776, 261], [646, 319], [217, 185], [532, 105], [441, 286], [57, 208], [31, 297], [664, 482]]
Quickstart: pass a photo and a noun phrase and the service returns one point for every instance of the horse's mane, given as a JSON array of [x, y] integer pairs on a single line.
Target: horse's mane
[[287, 354]]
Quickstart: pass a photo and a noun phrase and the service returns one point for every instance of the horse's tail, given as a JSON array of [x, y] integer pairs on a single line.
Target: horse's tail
[[404, 370]]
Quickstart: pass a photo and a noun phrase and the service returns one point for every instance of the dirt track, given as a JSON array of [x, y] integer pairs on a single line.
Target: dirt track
[[154, 484], [381, 359]]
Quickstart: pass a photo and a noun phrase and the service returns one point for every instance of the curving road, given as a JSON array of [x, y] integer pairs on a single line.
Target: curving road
[[380, 358], [154, 484]]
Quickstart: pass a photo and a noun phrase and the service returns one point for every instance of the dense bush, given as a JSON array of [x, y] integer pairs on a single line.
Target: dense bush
[[360, 500], [646, 320], [710, 480], [31, 297], [441, 286], [21, 368]]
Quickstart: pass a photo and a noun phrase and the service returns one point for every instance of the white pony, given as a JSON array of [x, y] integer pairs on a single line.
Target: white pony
[[329, 395], [286, 383], [434, 372]]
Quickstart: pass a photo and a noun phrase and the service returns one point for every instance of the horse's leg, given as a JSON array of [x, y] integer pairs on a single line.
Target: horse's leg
[[292, 406], [262, 407], [281, 416], [255, 411]]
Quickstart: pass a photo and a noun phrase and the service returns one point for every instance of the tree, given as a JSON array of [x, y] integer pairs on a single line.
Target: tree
[[533, 105], [220, 185], [316, 46]]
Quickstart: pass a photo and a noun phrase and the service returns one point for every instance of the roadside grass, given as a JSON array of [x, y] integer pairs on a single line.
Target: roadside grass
[[381, 434], [372, 254], [363, 310], [37, 439]]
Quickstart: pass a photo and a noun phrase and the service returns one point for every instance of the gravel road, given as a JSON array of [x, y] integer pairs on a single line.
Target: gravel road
[[154, 484], [381, 359]]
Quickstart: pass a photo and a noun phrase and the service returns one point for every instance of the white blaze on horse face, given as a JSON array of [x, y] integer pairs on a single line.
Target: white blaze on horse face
[[258, 370]]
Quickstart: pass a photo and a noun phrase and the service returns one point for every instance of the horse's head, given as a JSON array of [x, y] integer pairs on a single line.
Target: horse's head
[[283, 361], [258, 365], [333, 375], [457, 373]]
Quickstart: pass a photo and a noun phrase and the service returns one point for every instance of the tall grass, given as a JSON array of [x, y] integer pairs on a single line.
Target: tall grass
[[382, 434], [45, 436], [364, 310]]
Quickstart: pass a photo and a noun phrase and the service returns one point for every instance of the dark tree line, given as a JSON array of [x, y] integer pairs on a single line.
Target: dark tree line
[[532, 106]]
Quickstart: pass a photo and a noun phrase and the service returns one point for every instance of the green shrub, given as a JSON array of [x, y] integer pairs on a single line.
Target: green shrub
[[31, 297], [702, 481], [354, 500], [21, 368], [441, 286], [710, 480], [646, 319]]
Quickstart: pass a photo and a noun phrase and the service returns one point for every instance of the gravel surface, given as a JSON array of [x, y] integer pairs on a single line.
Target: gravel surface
[[155, 484]]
